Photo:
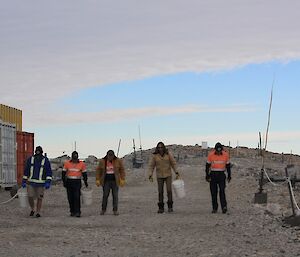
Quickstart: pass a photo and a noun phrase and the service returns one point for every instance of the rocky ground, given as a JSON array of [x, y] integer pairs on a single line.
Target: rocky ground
[[247, 229]]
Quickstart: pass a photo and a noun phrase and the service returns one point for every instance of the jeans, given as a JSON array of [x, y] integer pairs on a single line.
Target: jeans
[[110, 185], [160, 184]]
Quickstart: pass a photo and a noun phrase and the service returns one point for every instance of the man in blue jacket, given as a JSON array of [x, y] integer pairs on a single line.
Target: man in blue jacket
[[37, 177]]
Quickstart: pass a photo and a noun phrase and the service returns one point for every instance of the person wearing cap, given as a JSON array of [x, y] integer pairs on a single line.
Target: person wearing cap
[[217, 163], [72, 173], [110, 173], [163, 161], [37, 176]]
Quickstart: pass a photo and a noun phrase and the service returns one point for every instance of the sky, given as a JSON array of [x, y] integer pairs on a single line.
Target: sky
[[89, 74]]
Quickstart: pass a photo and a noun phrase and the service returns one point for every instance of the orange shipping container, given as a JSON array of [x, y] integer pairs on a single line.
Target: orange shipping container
[[25, 148]]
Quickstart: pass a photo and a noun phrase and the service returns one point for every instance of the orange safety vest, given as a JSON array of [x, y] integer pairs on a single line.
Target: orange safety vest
[[74, 170], [218, 162]]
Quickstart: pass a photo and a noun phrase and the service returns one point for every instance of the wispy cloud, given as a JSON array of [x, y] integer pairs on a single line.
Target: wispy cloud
[[115, 115]]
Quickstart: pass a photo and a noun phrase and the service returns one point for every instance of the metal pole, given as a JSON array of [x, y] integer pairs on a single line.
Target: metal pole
[[118, 148], [291, 197]]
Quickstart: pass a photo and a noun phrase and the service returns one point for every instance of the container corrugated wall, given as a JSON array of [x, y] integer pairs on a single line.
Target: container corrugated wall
[[25, 148], [11, 115], [8, 169]]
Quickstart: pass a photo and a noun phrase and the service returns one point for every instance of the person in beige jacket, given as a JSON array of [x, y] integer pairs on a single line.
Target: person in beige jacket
[[110, 174], [164, 163]]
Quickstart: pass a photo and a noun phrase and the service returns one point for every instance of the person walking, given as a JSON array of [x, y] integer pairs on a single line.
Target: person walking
[[37, 176], [72, 173], [110, 173], [164, 163], [217, 163]]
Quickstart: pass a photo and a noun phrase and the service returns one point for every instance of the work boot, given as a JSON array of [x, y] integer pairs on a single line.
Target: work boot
[[38, 215], [160, 208], [170, 206], [224, 210], [31, 213]]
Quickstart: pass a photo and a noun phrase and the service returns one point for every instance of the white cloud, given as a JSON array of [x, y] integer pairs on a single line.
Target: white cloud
[[116, 115], [48, 47]]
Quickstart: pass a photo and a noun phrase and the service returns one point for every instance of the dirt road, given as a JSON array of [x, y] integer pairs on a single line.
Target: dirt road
[[246, 230]]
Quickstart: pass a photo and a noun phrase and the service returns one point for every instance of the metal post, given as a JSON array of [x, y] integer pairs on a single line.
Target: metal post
[[291, 197]]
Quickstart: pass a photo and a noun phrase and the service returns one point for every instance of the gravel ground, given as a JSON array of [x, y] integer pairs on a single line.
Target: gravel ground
[[247, 229]]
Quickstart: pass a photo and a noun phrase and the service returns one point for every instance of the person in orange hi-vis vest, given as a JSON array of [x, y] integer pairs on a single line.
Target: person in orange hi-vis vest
[[217, 163], [72, 173]]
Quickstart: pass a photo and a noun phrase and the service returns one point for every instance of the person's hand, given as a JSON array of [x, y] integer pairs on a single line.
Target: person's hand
[[177, 175], [207, 178], [122, 182], [47, 184], [86, 183], [24, 182], [97, 183], [151, 178], [228, 179]]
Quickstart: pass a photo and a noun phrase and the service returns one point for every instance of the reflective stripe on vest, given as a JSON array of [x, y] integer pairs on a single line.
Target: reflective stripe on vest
[[74, 173], [41, 170]]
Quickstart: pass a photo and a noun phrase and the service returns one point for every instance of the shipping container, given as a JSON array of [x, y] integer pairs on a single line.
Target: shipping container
[[8, 169], [25, 148], [11, 115]]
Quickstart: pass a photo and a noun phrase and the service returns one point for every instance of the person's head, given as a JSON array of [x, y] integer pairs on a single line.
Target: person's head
[[38, 150], [110, 155], [218, 148], [161, 148], [74, 156]]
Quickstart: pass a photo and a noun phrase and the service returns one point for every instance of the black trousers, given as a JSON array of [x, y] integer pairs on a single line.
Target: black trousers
[[218, 183], [73, 191], [110, 185]]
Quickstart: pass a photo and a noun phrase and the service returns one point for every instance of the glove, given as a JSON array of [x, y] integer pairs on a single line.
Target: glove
[[151, 178], [122, 182], [85, 179], [177, 175], [97, 183], [47, 184], [24, 182], [228, 179], [207, 178]]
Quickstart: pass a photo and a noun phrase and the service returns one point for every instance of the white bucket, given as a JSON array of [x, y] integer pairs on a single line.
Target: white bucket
[[178, 186], [87, 197], [23, 197]]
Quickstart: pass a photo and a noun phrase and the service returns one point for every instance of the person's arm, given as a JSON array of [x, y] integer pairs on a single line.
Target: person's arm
[[27, 169], [48, 170], [151, 168], [84, 174], [173, 165], [122, 169], [228, 168], [99, 172]]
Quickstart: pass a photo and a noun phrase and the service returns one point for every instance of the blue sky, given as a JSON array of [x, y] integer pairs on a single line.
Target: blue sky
[[185, 72], [227, 106]]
